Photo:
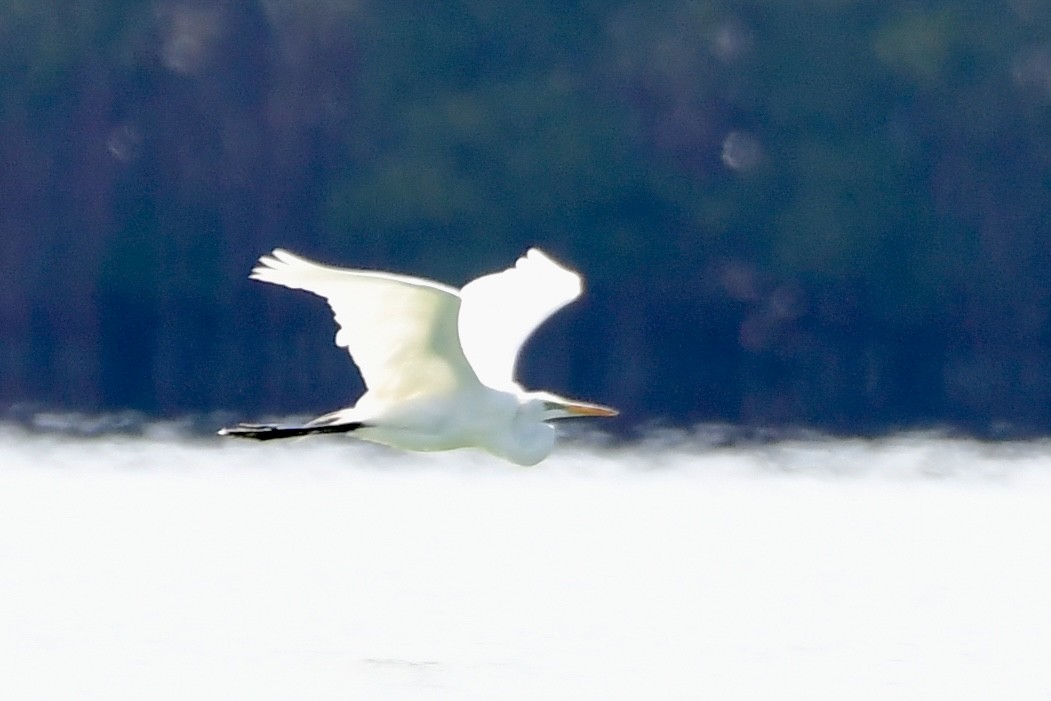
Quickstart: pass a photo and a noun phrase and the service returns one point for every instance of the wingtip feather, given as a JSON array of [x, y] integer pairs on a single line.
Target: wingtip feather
[[275, 266], [536, 260]]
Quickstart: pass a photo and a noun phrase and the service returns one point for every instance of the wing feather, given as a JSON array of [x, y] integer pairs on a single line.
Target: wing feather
[[401, 331], [499, 312]]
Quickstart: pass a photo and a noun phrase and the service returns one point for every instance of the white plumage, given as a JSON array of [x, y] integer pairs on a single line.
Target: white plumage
[[438, 363]]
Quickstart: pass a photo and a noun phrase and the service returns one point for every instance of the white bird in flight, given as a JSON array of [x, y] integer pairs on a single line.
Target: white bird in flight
[[438, 363]]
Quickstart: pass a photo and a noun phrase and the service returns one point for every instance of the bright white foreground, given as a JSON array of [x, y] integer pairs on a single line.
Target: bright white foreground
[[155, 568]]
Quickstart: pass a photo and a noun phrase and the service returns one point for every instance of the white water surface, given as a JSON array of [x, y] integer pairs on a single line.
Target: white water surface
[[163, 567]]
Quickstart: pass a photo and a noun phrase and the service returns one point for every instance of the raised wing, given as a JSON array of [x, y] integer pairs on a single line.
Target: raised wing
[[401, 331], [499, 312]]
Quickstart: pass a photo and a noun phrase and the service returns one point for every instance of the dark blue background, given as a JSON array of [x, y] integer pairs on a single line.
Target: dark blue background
[[831, 214]]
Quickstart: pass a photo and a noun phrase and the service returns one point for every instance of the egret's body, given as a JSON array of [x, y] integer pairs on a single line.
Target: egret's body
[[438, 363]]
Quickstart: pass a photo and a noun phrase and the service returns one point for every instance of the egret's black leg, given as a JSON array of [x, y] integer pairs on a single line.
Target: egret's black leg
[[267, 432]]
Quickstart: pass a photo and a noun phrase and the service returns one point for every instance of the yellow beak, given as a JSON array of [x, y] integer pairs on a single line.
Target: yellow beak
[[586, 409]]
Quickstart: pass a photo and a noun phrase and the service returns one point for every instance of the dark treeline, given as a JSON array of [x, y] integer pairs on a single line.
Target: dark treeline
[[832, 213]]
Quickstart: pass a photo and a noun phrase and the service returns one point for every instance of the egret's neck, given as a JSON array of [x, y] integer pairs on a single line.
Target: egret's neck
[[528, 439]]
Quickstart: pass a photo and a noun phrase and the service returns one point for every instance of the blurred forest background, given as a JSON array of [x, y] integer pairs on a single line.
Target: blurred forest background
[[829, 213]]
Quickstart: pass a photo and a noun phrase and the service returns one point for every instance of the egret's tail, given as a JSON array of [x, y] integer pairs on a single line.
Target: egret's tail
[[268, 432]]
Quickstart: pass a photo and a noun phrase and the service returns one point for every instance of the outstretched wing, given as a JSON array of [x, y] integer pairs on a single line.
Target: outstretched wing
[[499, 312], [401, 331]]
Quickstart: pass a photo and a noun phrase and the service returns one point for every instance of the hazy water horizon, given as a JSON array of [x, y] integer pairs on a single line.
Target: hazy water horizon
[[159, 562]]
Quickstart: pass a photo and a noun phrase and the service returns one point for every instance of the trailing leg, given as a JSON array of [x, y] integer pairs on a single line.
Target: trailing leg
[[269, 432]]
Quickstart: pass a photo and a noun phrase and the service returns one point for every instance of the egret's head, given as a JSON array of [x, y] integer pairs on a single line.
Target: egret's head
[[553, 406]]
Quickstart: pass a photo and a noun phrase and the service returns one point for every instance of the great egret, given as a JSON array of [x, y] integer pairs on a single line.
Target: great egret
[[438, 363]]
